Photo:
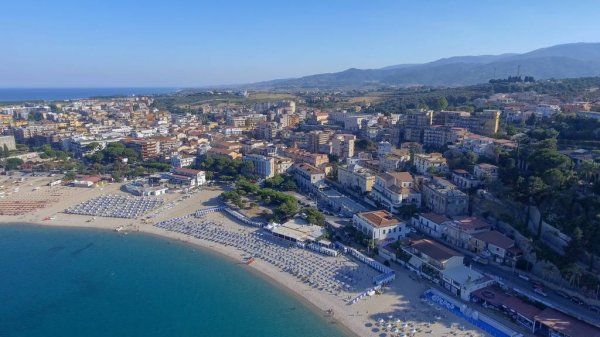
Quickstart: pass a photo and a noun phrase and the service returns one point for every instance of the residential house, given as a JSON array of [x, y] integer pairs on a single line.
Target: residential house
[[380, 225], [500, 246], [459, 231], [432, 224], [464, 180]]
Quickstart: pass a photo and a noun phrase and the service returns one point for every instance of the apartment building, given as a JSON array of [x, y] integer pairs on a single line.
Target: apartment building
[[263, 166], [442, 197], [394, 190], [433, 161], [356, 178]]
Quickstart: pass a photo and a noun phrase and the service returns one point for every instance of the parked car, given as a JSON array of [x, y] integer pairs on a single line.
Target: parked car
[[595, 308], [540, 291], [577, 300], [481, 260], [536, 283], [563, 294], [523, 276]]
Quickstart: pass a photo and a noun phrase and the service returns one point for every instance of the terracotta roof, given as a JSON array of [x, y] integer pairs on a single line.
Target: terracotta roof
[[186, 170], [470, 223], [496, 238], [434, 217], [434, 250], [566, 325], [380, 218]]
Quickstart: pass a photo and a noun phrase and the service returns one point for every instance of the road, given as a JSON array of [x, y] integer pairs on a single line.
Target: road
[[553, 300]]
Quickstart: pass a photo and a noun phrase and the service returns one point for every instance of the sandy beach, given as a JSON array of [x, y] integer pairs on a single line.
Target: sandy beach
[[400, 300]]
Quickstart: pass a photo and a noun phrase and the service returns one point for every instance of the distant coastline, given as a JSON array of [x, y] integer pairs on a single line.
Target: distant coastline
[[59, 94]]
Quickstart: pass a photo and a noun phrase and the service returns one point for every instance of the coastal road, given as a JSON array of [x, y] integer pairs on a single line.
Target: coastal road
[[553, 300]]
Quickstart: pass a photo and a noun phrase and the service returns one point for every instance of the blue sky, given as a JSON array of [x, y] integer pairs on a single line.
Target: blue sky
[[178, 43]]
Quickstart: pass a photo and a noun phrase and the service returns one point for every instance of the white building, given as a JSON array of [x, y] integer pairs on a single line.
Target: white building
[[380, 225], [433, 161], [181, 161]]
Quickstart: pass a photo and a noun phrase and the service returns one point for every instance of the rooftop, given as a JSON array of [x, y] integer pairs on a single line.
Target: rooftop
[[436, 218], [496, 238], [434, 250], [380, 218], [566, 325]]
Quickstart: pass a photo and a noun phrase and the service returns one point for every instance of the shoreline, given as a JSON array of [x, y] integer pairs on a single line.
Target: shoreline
[[401, 299], [209, 249]]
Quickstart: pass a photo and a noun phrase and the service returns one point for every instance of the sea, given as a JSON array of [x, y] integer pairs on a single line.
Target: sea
[[55, 94], [85, 282]]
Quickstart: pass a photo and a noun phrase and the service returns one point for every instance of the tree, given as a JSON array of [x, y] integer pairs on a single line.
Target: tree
[[314, 216], [442, 103], [13, 164]]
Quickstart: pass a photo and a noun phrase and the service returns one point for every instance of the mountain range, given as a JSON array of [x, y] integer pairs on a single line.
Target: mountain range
[[559, 61]]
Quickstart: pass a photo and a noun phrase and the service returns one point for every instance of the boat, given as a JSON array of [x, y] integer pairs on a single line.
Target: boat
[[119, 229]]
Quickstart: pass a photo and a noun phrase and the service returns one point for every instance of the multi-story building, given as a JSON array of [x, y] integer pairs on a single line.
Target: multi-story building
[[198, 177], [282, 164], [308, 177], [416, 121], [500, 246], [302, 156], [440, 136], [432, 224], [424, 163], [8, 142], [182, 161], [147, 148], [394, 190], [464, 180], [443, 197], [356, 178], [488, 121], [481, 122], [342, 145], [316, 139], [380, 225], [263, 165], [485, 172], [268, 130], [459, 231]]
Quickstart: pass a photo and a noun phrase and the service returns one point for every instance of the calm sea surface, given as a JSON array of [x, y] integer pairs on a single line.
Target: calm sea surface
[[31, 94], [83, 282]]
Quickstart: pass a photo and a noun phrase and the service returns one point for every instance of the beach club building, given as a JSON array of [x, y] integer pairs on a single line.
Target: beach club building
[[380, 225], [444, 266], [185, 177]]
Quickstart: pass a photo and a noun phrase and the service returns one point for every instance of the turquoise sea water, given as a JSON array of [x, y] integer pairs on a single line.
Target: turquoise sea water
[[82, 282]]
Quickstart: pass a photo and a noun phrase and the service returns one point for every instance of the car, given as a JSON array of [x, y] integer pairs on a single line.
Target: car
[[594, 308], [577, 300], [481, 260], [536, 283], [563, 294], [540, 291], [523, 276]]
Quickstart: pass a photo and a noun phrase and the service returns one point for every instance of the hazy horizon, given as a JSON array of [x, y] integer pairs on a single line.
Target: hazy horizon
[[185, 44]]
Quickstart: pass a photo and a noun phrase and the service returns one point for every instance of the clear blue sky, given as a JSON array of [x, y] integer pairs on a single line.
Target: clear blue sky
[[192, 43]]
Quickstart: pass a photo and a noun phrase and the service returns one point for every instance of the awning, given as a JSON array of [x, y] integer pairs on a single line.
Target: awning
[[415, 261]]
